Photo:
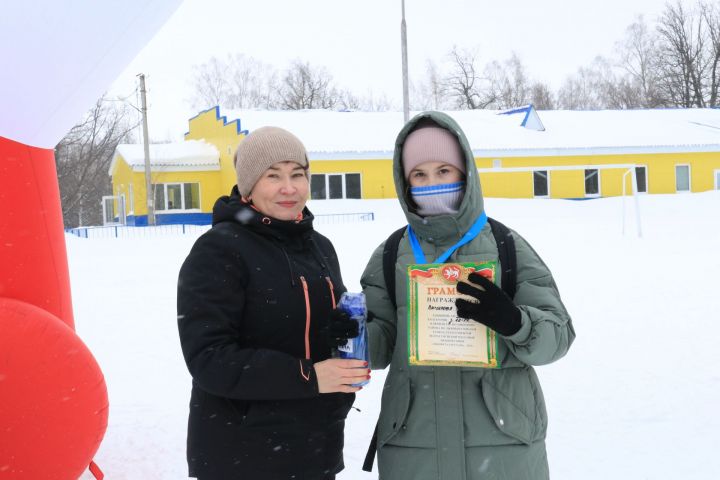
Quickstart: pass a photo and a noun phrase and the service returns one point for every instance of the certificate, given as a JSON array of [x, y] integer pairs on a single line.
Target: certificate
[[436, 335]]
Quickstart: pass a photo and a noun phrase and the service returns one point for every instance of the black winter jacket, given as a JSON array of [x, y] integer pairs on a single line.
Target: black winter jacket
[[251, 295]]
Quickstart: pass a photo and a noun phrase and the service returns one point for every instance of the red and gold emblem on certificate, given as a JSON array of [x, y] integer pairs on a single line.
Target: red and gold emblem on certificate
[[436, 335]]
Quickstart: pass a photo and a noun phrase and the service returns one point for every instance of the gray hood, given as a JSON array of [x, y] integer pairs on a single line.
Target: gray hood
[[442, 227]]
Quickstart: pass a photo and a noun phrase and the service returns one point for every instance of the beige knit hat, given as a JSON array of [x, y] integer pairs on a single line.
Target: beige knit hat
[[431, 144], [263, 148]]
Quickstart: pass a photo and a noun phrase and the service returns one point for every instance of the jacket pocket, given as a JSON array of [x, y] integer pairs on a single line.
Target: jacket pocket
[[515, 402], [395, 406], [408, 411]]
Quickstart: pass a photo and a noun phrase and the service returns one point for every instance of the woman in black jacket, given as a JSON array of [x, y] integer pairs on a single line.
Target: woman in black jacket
[[257, 320]]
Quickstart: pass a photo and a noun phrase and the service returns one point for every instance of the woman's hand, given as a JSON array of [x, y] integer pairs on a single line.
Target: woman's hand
[[337, 375]]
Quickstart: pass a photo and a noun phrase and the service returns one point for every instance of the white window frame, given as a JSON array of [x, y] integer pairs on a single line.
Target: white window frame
[[199, 186], [344, 184], [182, 197], [326, 185], [109, 202], [689, 170], [131, 194], [599, 192], [647, 180], [717, 179], [547, 182]]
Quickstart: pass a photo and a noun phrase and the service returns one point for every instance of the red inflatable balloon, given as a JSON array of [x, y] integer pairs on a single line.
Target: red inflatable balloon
[[53, 403], [53, 398], [33, 260]]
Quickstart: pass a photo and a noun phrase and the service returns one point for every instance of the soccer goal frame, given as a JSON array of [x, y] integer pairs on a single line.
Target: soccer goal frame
[[109, 212], [629, 170]]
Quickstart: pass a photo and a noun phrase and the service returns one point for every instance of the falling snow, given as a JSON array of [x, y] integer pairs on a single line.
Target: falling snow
[[635, 398]]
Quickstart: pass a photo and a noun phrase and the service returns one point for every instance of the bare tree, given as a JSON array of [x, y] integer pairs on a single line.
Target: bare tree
[[687, 61], [711, 15], [346, 100], [305, 86], [253, 83], [638, 59], [374, 103], [464, 85], [267, 96], [431, 92], [509, 85], [211, 84], [612, 88], [237, 82], [83, 157], [541, 96], [579, 91], [596, 87]]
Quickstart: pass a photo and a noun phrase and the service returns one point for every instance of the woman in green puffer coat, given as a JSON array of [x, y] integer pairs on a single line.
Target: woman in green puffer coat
[[460, 423]]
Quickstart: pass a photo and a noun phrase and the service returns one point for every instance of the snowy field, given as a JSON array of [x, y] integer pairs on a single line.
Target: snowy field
[[636, 397]]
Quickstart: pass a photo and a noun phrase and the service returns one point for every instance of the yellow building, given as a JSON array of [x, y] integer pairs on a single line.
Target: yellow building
[[520, 153], [185, 179]]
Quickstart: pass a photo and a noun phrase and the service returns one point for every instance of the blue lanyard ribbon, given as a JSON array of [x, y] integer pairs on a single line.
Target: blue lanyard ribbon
[[471, 234]]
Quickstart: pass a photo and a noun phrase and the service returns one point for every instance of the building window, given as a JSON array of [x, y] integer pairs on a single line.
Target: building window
[[592, 183], [717, 179], [174, 197], [177, 196], [335, 186], [352, 185], [159, 190], [191, 195], [540, 183], [682, 178], [641, 177], [317, 187]]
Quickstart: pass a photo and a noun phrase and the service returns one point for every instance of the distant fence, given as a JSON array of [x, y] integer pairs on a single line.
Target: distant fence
[[333, 218], [123, 231]]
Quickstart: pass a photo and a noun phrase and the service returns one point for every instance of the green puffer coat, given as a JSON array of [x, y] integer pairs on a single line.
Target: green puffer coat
[[454, 423]]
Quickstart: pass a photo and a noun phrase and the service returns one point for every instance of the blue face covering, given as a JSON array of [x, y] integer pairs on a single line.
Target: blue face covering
[[438, 199]]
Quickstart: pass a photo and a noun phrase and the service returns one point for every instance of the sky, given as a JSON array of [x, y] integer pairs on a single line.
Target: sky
[[635, 398], [359, 41]]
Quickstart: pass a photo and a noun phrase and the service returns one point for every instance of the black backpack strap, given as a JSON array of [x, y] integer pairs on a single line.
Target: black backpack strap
[[389, 259], [372, 449], [508, 262], [508, 258]]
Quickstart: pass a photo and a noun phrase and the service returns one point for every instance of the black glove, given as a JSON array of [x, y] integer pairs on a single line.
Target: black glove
[[338, 328], [495, 309]]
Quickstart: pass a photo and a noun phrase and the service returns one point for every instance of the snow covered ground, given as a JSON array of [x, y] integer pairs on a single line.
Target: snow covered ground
[[636, 397]]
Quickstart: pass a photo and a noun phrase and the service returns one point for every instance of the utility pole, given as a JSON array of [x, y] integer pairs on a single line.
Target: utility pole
[[403, 42], [149, 194]]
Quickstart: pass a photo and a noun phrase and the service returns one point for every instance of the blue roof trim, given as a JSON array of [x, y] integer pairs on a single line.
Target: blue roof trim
[[525, 109], [238, 128], [531, 120]]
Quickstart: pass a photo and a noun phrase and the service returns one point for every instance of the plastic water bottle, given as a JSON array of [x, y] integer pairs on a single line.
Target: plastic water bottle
[[356, 348]]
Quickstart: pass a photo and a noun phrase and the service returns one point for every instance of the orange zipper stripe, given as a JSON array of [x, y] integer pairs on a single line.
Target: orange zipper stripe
[[332, 291], [307, 318]]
